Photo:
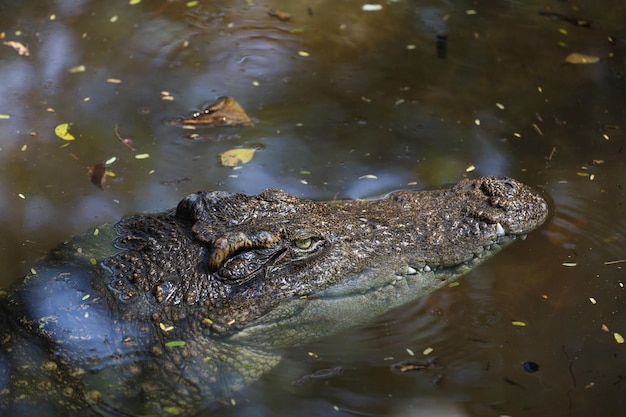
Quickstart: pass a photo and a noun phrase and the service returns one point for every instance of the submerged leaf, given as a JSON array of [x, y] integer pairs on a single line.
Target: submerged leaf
[[236, 157], [62, 131], [224, 112]]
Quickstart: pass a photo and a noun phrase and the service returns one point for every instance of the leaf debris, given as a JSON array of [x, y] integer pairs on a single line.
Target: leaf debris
[[579, 58], [62, 131], [21, 49]]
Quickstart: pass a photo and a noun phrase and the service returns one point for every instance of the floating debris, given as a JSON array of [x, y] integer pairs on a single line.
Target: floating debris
[[97, 175], [319, 374], [416, 365], [578, 58], [224, 112], [372, 7], [77, 69], [18, 46], [235, 157], [279, 14], [62, 131]]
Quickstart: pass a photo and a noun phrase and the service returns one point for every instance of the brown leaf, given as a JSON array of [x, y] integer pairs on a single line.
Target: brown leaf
[[97, 175], [224, 112], [279, 14]]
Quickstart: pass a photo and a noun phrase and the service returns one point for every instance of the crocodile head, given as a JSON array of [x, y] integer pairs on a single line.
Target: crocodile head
[[232, 257]]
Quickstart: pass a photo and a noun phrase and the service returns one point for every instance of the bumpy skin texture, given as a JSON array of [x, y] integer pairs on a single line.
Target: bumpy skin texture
[[165, 314]]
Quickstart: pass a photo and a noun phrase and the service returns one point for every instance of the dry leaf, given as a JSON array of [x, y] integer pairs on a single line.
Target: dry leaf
[[97, 175], [279, 14], [234, 157], [224, 112], [18, 46], [578, 58]]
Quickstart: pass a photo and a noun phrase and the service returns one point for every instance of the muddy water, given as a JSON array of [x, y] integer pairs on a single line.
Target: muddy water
[[351, 103]]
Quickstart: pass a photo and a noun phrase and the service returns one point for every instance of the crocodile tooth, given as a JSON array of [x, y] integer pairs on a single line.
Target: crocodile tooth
[[500, 230], [522, 237], [427, 268], [410, 270]]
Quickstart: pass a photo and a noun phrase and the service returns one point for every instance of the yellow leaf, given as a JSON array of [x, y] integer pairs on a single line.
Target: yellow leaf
[[618, 338], [62, 131], [238, 156], [578, 58], [518, 323]]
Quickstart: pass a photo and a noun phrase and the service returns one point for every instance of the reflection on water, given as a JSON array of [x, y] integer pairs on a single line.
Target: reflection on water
[[350, 104]]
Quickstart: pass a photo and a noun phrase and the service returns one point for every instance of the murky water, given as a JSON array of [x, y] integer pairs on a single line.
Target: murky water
[[351, 103]]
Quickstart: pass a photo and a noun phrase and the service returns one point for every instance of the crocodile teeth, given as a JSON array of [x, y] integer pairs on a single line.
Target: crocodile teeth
[[500, 230], [411, 270], [427, 268]]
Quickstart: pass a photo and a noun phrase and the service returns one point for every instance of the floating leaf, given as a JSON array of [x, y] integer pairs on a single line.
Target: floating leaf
[[97, 175], [238, 156], [166, 328], [569, 264], [578, 58], [174, 343], [372, 7], [279, 14], [62, 131], [518, 323], [224, 112], [618, 338], [77, 69], [142, 156], [18, 46]]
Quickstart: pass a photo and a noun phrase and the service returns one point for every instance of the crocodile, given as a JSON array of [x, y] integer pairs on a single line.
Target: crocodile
[[172, 313]]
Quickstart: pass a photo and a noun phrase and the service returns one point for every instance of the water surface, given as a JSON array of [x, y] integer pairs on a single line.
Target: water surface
[[350, 103]]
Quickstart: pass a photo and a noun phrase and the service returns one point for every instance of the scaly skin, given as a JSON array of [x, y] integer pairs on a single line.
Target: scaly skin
[[165, 314]]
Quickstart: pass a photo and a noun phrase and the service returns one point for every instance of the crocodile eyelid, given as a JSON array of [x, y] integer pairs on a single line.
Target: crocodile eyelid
[[230, 243]]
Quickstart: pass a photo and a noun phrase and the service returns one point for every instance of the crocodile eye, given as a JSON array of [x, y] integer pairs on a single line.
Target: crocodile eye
[[303, 243], [306, 248]]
